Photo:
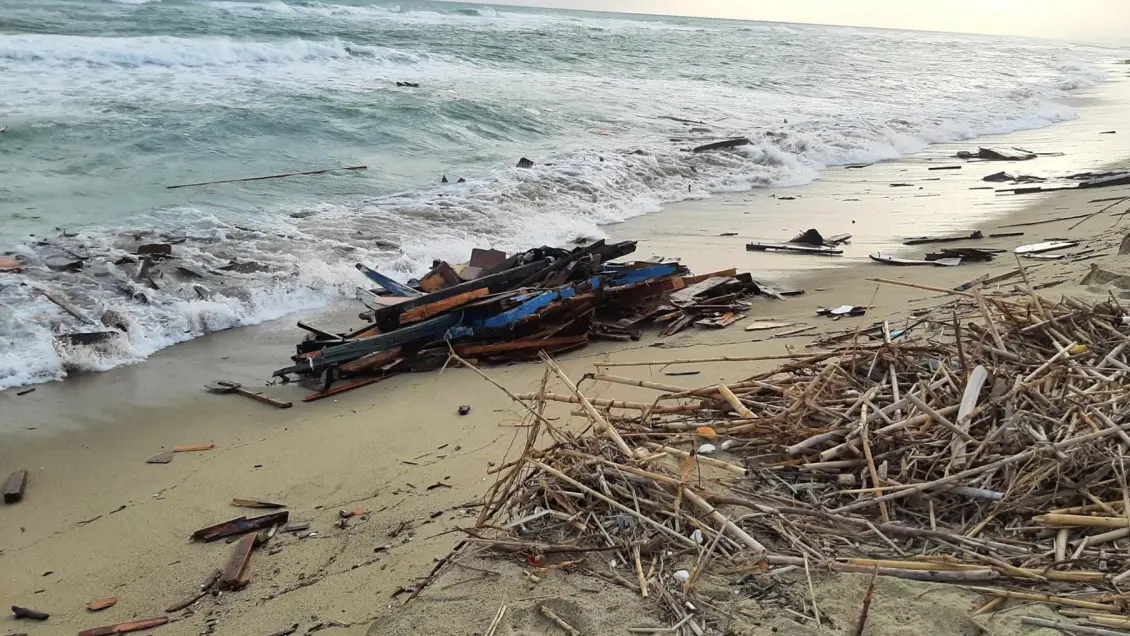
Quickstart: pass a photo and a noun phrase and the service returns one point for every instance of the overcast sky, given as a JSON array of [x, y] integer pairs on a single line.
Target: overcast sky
[[1086, 20]]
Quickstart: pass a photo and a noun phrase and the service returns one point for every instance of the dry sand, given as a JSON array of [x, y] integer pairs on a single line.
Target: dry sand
[[98, 521]]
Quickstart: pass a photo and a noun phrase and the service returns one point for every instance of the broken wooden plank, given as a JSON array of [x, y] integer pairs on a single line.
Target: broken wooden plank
[[87, 338], [372, 361], [235, 574], [765, 325], [793, 248], [66, 306], [125, 628], [240, 525], [14, 486], [270, 176], [424, 312], [397, 288], [722, 145], [342, 388], [923, 240], [223, 386], [255, 503], [193, 448], [466, 351]]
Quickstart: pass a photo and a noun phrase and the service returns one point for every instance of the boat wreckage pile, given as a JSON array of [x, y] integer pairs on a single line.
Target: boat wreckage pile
[[986, 446], [498, 308]]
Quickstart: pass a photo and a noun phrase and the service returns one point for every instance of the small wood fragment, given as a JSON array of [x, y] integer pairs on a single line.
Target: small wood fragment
[[256, 503], [28, 613], [551, 615], [193, 449], [101, 604], [14, 486], [161, 458]]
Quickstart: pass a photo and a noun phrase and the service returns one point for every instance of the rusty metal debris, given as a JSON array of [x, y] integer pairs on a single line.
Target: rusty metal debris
[[501, 309]]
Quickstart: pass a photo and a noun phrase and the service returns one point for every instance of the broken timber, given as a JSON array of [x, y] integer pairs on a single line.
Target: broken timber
[[240, 525], [14, 486], [234, 576]]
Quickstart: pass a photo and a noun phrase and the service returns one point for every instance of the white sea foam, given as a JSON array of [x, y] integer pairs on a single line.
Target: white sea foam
[[581, 116], [165, 51]]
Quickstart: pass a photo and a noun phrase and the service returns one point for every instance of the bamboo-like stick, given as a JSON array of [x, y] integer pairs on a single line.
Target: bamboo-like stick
[[1069, 627], [936, 575], [645, 384], [779, 356], [871, 463], [734, 402], [1046, 598], [551, 615], [940, 419], [1019, 457], [710, 461], [615, 504], [723, 523], [602, 424], [616, 404], [1082, 521]]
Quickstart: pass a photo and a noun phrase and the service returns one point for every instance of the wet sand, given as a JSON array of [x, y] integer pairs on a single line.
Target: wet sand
[[99, 521]]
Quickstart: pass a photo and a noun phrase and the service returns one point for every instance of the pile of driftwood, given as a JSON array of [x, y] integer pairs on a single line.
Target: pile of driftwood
[[983, 445], [500, 309]]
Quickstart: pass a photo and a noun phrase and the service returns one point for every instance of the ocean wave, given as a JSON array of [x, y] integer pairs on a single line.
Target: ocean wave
[[480, 16], [308, 252], [588, 106], [170, 51]]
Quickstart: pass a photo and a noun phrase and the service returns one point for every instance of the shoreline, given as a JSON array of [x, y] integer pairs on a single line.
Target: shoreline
[[103, 522], [1095, 106]]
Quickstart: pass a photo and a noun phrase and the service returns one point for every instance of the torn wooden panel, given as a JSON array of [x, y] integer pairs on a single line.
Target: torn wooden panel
[[442, 276], [486, 259], [14, 486]]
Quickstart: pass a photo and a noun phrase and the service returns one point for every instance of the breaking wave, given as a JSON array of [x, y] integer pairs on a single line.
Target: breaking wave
[[116, 110]]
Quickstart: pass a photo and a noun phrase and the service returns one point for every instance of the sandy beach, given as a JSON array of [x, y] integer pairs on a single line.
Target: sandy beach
[[98, 521]]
